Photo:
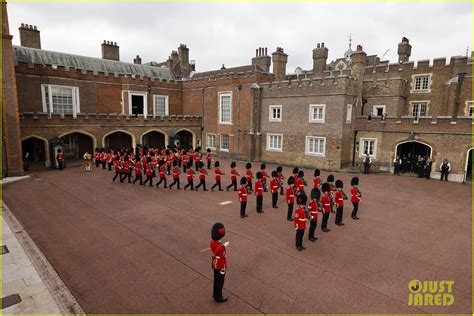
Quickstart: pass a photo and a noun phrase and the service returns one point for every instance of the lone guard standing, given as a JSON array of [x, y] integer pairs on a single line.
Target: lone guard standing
[[219, 261], [445, 169]]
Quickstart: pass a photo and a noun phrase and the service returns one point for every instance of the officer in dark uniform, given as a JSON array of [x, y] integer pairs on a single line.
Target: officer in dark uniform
[[219, 261]]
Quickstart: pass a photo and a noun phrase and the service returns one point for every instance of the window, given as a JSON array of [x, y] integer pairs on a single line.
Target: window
[[316, 113], [349, 113], [160, 105], [315, 146], [211, 141], [369, 145], [225, 108], [225, 142], [275, 142], [379, 110], [60, 99], [69, 144], [275, 113], [137, 103], [419, 110], [421, 83], [469, 108]]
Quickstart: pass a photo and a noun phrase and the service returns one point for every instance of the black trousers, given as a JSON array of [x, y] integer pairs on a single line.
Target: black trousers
[[290, 212], [233, 184], [190, 184], [281, 190], [259, 203], [299, 238], [179, 163], [175, 181], [274, 199], [168, 170], [202, 183], [249, 186], [243, 206], [208, 164], [339, 212], [148, 179], [396, 170], [97, 163], [356, 208], [103, 164], [161, 180], [61, 165], [324, 224], [197, 165], [219, 279], [366, 169], [110, 166], [117, 175], [217, 184], [444, 175], [124, 176], [185, 168], [312, 228], [138, 177]]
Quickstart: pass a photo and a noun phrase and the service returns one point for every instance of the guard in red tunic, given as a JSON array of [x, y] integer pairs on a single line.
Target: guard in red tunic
[[97, 157], [356, 195], [243, 197], [274, 186], [209, 158], [300, 183], [148, 173], [125, 170], [162, 171], [118, 170], [300, 221], [280, 179], [263, 168], [176, 173], [219, 261], [249, 176], [218, 174], [290, 198], [202, 176], [103, 160], [326, 205], [197, 158], [313, 209], [259, 192], [169, 162], [233, 176], [185, 160], [190, 177], [138, 172], [317, 179], [60, 159], [339, 198], [109, 159]]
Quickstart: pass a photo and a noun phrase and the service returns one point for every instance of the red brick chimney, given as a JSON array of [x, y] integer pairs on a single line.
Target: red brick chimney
[[29, 36], [110, 50]]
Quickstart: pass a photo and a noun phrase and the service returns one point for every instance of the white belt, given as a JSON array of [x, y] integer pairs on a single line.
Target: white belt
[[302, 219]]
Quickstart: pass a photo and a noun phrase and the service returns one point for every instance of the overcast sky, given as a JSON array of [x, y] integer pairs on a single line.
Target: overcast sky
[[229, 33]]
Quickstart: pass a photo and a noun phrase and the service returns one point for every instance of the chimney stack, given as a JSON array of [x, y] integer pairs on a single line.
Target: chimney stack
[[29, 36], [262, 59], [404, 50], [320, 57], [110, 50], [137, 60], [183, 57], [280, 60]]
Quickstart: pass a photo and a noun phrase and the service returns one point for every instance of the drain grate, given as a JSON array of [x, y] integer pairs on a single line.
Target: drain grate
[[10, 300], [5, 250]]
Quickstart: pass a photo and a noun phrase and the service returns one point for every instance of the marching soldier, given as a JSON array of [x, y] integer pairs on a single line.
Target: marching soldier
[[243, 197], [125, 170], [96, 157], [300, 221], [340, 196], [148, 173], [218, 174], [355, 197], [176, 173], [317, 179], [118, 169], [249, 176], [280, 179], [233, 176], [290, 198], [264, 175], [162, 172], [138, 172], [326, 204], [190, 177], [219, 261], [274, 189], [202, 176], [330, 180], [209, 158], [313, 209], [197, 158], [103, 158], [259, 192]]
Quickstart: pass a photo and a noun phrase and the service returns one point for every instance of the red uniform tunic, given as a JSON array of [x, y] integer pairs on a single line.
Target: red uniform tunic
[[175, 173], [148, 170], [313, 210], [355, 195], [209, 157], [259, 188], [138, 168], [96, 156], [202, 174], [197, 156], [60, 157], [233, 174], [300, 219], [125, 167], [117, 166], [102, 157], [190, 175], [219, 260], [265, 176], [274, 186], [316, 183], [162, 172], [339, 198], [300, 184], [185, 160], [249, 175], [290, 195], [243, 194], [218, 173], [326, 202]]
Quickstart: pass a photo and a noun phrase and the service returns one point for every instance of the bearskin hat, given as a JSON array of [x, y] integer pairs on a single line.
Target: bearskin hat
[[259, 175], [325, 187], [201, 164], [330, 178], [263, 166], [317, 173], [248, 165], [218, 231], [355, 181], [300, 174], [295, 170], [274, 174], [209, 150], [233, 164], [291, 180], [315, 194], [175, 163], [216, 164], [339, 184], [279, 169], [301, 199], [243, 181], [161, 163]]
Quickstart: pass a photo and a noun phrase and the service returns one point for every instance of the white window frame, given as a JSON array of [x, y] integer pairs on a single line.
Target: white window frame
[[313, 106], [375, 107], [349, 114], [220, 143], [145, 102], [469, 105], [269, 135], [167, 108], [361, 147], [308, 153], [413, 80], [219, 96], [76, 106], [412, 105], [270, 113], [215, 141]]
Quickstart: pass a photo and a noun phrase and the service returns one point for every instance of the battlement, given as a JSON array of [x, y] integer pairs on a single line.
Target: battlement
[[444, 124]]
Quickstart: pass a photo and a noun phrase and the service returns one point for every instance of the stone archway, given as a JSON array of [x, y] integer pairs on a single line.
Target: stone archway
[[37, 149], [154, 138], [118, 139]]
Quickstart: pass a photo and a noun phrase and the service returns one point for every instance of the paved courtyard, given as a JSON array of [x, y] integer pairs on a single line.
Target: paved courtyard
[[121, 248]]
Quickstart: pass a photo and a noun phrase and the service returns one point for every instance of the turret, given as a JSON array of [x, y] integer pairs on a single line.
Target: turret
[[404, 50]]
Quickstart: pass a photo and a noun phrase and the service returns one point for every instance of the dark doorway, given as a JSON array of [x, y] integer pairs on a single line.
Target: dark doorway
[[36, 149], [469, 167], [154, 139], [76, 144], [137, 104], [185, 139], [409, 152], [118, 140]]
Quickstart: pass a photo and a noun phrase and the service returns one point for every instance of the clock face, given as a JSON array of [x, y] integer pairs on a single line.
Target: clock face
[[341, 65]]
